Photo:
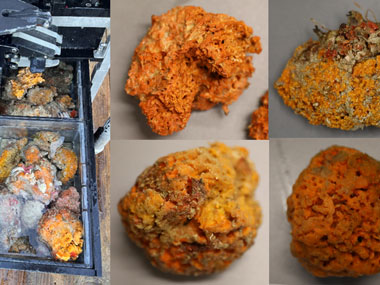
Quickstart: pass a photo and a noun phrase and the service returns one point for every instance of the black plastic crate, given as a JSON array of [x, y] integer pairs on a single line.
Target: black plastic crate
[[76, 87], [79, 132]]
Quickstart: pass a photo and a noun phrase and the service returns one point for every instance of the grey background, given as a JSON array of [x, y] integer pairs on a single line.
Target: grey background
[[130, 22], [128, 263], [288, 157], [289, 27]]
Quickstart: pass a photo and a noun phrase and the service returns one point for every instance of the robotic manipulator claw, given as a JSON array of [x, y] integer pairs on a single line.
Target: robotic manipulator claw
[[27, 38]]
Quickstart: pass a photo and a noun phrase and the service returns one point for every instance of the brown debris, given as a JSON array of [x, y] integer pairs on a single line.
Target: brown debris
[[22, 244], [69, 199], [41, 96]]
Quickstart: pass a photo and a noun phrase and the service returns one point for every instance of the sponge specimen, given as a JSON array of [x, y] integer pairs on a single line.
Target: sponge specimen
[[190, 60], [258, 129], [193, 211], [334, 212], [334, 81]]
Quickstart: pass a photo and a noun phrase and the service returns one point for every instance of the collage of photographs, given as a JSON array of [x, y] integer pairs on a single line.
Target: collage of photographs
[[214, 142]]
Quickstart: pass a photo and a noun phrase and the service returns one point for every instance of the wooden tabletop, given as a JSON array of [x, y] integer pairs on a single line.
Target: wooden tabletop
[[101, 112]]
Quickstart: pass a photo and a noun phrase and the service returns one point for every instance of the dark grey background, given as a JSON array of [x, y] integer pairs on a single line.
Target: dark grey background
[[288, 157], [131, 20], [289, 27]]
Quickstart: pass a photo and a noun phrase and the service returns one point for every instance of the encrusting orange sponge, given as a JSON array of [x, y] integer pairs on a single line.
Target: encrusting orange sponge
[[190, 60], [334, 212], [335, 80], [193, 211]]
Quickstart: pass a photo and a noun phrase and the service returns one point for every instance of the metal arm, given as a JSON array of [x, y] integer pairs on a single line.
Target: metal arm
[[16, 15], [26, 31]]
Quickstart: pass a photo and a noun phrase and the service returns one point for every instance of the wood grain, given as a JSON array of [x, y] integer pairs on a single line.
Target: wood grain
[[101, 112]]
